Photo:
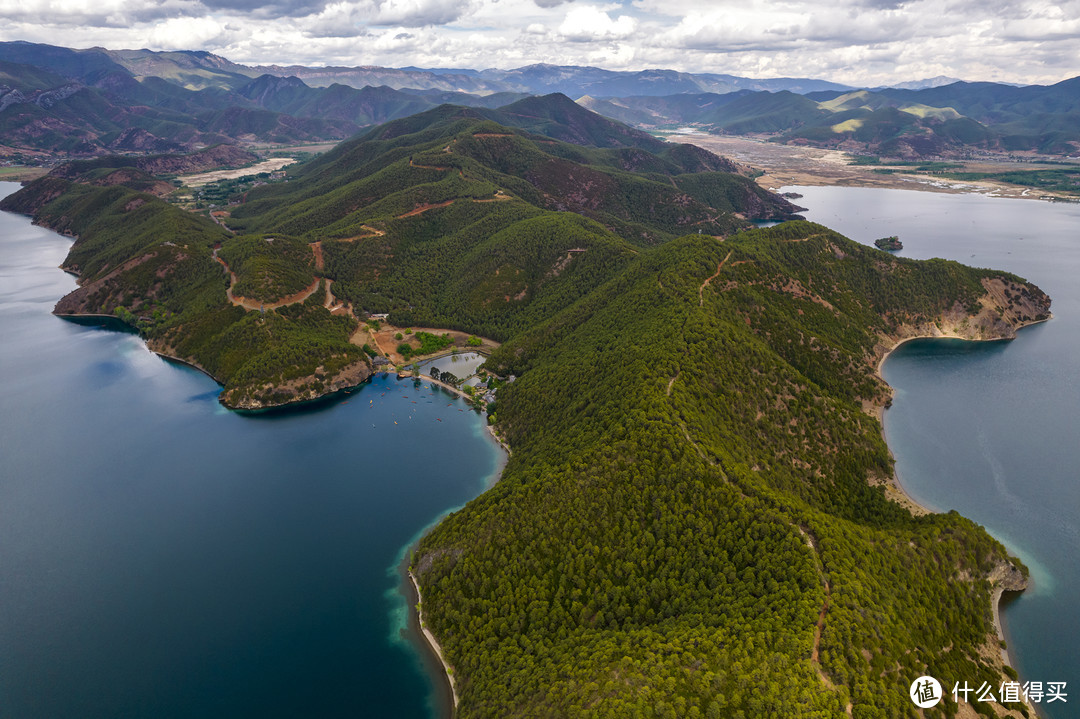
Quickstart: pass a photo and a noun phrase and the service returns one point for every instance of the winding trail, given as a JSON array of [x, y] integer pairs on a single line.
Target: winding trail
[[499, 196], [807, 238], [460, 172], [249, 304], [815, 651], [372, 232], [425, 207], [701, 290], [431, 167], [218, 217], [671, 382]]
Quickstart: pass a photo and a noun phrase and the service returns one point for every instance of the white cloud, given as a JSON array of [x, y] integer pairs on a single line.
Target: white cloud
[[95, 13], [417, 13], [350, 18], [587, 23], [853, 41], [186, 33]]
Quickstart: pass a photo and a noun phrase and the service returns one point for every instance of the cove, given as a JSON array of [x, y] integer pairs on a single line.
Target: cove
[[990, 429], [161, 556]]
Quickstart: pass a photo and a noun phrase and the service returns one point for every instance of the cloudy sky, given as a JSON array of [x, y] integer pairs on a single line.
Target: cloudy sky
[[859, 42]]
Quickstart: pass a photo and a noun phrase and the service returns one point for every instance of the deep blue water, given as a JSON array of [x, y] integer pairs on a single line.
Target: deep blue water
[[163, 557], [160, 556], [993, 429]]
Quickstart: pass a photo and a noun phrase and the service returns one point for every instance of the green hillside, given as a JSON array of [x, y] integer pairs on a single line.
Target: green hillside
[[27, 78], [764, 112], [441, 219], [693, 521], [947, 120], [686, 527]]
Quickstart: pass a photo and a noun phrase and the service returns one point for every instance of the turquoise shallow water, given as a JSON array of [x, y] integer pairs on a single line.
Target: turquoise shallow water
[[163, 557], [993, 429]]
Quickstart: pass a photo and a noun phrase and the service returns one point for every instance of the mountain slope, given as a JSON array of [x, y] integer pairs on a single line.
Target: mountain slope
[[443, 219], [368, 106], [576, 81], [455, 152], [692, 522], [686, 526], [117, 112], [942, 120], [560, 118]]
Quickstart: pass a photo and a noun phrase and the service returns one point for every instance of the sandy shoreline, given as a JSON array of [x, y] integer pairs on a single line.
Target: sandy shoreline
[[417, 607], [879, 411], [458, 391], [432, 642], [999, 591]]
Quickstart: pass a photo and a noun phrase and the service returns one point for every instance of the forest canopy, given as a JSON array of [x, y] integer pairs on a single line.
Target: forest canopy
[[692, 522]]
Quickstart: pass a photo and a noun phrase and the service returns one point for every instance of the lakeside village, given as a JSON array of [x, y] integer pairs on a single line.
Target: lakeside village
[[419, 354], [451, 359]]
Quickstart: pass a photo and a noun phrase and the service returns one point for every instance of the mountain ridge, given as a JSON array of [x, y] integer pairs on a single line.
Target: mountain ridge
[[93, 101], [691, 522]]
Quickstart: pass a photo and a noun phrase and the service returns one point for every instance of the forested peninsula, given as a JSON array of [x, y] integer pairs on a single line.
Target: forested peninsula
[[692, 522]]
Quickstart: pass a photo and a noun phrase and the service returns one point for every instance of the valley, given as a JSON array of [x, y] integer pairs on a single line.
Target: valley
[[786, 164], [206, 178]]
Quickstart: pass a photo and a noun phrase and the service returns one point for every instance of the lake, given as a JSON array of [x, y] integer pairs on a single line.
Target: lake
[[163, 557], [993, 429]]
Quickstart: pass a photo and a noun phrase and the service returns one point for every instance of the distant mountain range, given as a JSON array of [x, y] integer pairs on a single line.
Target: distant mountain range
[[938, 81], [60, 101], [199, 70], [948, 120]]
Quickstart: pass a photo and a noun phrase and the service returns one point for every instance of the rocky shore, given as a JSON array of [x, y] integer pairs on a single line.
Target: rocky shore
[[1006, 307]]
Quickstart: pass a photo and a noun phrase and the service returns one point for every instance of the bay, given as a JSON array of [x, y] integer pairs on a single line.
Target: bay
[[992, 429], [161, 556]]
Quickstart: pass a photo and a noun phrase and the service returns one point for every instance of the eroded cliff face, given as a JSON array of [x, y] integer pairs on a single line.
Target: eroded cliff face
[[103, 295], [1007, 306], [767, 206], [1007, 577], [301, 389], [266, 396]]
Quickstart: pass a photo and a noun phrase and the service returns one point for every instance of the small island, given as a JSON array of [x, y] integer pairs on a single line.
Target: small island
[[889, 244]]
